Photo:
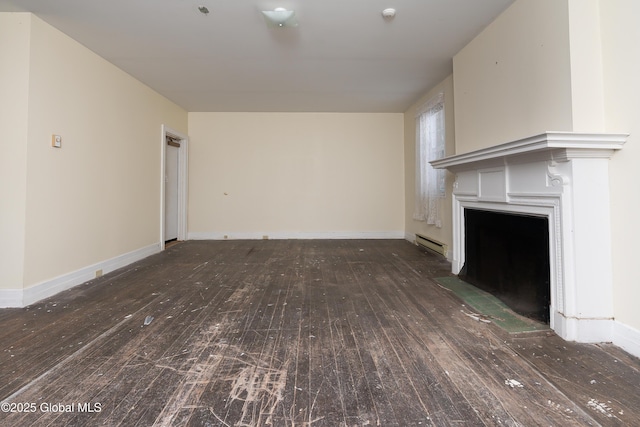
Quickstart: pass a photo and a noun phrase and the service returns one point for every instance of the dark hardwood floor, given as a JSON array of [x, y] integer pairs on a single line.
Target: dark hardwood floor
[[294, 333]]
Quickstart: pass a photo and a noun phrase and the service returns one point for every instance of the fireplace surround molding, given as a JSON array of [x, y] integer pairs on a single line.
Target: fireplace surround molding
[[563, 176]]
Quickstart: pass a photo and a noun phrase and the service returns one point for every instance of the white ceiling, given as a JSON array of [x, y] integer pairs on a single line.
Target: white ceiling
[[343, 56]]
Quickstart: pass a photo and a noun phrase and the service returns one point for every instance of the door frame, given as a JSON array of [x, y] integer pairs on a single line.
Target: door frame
[[183, 175]]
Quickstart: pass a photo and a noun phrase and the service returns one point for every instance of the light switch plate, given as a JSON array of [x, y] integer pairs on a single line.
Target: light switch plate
[[56, 141]]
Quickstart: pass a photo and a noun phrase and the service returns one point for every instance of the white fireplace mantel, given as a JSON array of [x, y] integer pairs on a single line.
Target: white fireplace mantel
[[564, 177], [552, 145]]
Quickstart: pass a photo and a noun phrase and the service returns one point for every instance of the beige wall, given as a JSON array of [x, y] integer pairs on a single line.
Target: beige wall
[[295, 175], [587, 85], [621, 57], [14, 69], [514, 79], [443, 234], [98, 196]]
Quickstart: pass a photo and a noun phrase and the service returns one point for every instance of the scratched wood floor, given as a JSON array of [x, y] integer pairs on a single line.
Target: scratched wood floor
[[295, 333]]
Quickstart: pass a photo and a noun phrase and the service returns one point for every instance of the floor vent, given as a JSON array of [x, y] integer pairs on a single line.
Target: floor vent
[[432, 245]]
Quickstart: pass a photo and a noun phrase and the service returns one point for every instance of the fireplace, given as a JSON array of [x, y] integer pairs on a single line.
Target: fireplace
[[562, 178], [508, 256]]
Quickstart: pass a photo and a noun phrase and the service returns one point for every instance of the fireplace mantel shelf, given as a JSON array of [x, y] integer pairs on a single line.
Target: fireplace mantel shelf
[[557, 145]]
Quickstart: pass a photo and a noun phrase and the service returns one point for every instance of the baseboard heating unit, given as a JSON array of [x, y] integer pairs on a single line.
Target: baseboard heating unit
[[431, 244]]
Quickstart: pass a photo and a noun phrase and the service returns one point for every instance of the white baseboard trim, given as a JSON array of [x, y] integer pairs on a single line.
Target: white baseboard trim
[[10, 298], [47, 288], [584, 330], [627, 338], [285, 235]]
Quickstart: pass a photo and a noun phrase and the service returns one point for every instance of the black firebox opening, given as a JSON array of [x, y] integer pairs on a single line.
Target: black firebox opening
[[508, 256]]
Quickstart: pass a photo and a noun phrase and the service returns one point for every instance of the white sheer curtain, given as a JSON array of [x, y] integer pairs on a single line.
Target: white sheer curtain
[[430, 145]]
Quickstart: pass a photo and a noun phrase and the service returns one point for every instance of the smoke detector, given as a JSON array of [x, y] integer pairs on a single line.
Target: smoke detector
[[389, 13]]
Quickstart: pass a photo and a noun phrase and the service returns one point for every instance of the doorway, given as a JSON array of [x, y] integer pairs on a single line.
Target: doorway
[[171, 189], [174, 186]]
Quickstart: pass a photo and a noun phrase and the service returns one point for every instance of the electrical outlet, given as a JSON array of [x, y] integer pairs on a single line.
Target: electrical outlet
[[99, 273], [265, 237], [56, 141]]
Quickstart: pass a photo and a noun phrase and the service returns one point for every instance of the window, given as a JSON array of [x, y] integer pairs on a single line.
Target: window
[[430, 145]]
